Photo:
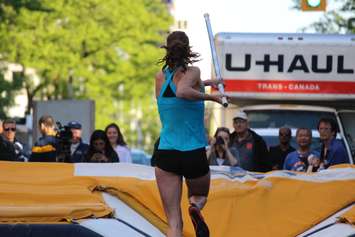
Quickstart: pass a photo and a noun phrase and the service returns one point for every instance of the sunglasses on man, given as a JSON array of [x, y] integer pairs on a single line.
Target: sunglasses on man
[[8, 129]]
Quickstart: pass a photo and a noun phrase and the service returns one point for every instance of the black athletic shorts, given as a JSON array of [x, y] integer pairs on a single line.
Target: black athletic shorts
[[190, 164]]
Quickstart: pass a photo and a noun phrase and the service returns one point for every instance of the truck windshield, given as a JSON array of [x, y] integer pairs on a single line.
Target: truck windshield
[[286, 118], [274, 141], [348, 118]]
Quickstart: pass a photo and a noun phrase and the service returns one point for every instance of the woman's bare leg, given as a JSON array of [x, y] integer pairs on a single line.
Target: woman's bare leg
[[198, 190], [170, 189]]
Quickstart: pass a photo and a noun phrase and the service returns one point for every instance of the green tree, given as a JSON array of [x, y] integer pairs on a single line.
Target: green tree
[[8, 90], [336, 19], [104, 50]]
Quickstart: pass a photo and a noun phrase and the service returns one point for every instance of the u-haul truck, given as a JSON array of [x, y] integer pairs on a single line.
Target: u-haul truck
[[287, 75]]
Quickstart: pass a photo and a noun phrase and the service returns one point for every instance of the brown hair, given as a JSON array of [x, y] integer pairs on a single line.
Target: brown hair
[[46, 120], [331, 122], [178, 51], [120, 138], [8, 121], [221, 129]]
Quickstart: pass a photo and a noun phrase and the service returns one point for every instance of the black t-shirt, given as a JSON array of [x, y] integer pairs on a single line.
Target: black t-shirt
[[7, 150], [277, 156]]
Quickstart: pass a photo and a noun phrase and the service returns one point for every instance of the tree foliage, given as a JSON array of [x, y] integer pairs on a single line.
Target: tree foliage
[[8, 90], [105, 50], [334, 20]]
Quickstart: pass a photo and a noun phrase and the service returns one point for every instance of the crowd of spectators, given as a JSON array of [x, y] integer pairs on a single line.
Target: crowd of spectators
[[243, 147], [53, 146], [248, 150]]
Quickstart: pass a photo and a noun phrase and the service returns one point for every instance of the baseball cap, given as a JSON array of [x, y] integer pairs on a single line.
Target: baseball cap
[[74, 124], [241, 115]]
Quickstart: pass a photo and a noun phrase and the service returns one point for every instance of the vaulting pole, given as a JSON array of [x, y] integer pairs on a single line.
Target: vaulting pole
[[215, 60]]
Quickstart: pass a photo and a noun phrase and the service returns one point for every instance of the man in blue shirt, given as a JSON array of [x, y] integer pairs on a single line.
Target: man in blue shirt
[[299, 160], [78, 148], [332, 150], [46, 147]]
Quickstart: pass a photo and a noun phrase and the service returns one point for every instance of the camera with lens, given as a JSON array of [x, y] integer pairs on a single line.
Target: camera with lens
[[219, 140], [98, 158], [64, 138]]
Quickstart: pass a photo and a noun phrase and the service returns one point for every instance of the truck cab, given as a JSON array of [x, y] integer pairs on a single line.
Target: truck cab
[[267, 119]]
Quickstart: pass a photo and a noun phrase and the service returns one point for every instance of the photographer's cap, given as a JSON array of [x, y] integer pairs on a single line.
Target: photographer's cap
[[240, 115], [74, 124]]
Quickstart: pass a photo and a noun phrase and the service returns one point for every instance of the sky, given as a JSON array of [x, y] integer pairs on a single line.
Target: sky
[[272, 16]]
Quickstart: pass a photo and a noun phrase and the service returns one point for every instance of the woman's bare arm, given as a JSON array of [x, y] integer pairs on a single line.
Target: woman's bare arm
[[159, 78], [211, 82], [232, 160], [185, 87]]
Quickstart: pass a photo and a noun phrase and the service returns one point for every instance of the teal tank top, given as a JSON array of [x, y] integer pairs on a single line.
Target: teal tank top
[[182, 120]]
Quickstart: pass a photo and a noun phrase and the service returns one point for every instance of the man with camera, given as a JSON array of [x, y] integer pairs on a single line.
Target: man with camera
[[45, 148], [78, 148]]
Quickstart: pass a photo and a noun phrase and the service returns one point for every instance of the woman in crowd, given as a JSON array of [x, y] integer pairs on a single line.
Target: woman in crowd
[[118, 143], [100, 149], [219, 152]]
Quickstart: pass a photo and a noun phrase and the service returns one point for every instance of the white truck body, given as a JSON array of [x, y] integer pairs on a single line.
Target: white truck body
[[289, 71], [288, 66]]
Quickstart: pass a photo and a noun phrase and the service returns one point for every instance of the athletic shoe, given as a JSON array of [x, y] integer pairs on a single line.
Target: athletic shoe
[[199, 223]]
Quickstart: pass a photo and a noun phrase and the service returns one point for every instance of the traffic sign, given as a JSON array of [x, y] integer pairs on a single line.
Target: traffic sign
[[313, 5]]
